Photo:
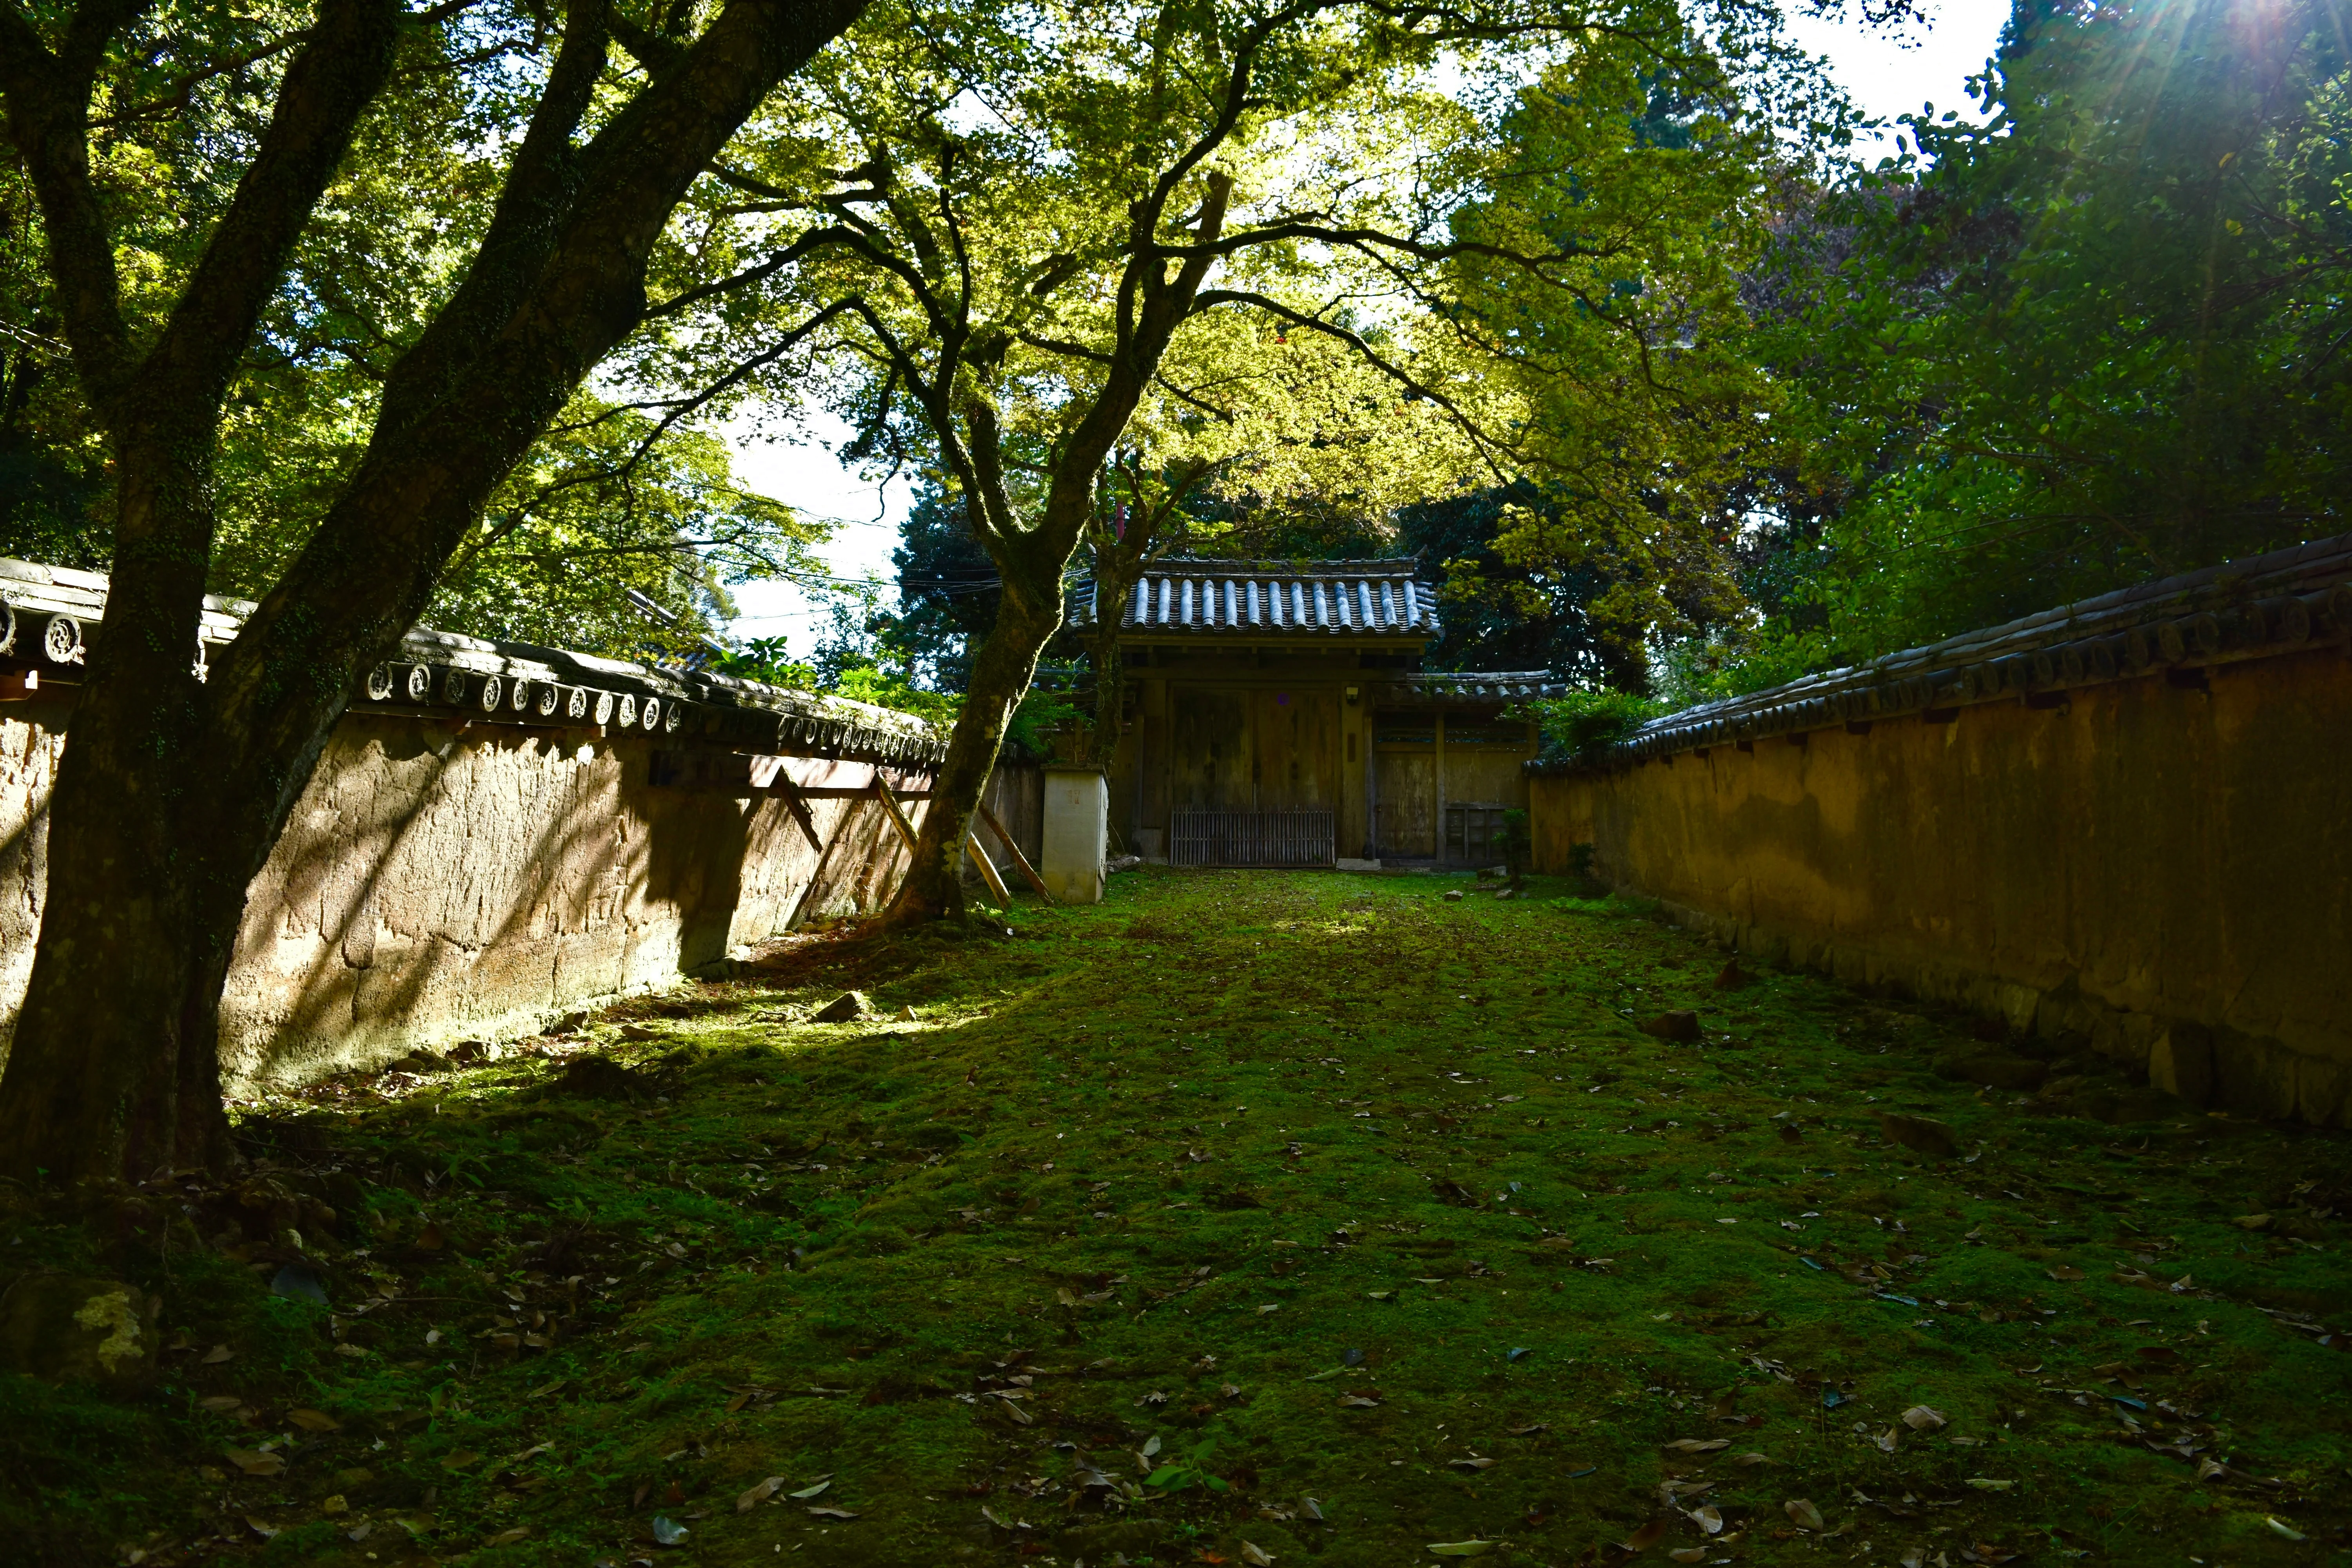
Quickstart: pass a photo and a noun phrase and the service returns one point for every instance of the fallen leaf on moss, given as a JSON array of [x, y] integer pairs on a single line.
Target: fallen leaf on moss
[[809, 1492], [1923, 1418], [824, 1511], [314, 1421], [1473, 1463], [509, 1537], [668, 1532], [1469, 1548], [1687, 1554], [218, 1355], [1254, 1553], [1805, 1515], [2281, 1527], [2066, 1273], [1708, 1518], [255, 1464], [753, 1496], [1697, 1445], [1986, 1484], [1649, 1535]]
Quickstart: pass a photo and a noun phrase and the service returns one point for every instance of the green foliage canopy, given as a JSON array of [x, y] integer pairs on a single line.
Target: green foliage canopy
[[2098, 337]]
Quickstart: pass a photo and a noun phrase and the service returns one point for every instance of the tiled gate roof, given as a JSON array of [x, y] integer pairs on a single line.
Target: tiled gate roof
[[1284, 598]]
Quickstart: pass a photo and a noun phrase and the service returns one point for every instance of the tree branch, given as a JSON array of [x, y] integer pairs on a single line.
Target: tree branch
[[1486, 444], [48, 120], [524, 228]]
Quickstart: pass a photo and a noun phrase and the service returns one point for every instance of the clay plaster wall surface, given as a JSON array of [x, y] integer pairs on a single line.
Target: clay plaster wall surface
[[438, 881], [2164, 871]]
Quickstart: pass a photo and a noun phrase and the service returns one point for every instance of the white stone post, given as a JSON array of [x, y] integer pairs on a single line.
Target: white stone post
[[1077, 814]]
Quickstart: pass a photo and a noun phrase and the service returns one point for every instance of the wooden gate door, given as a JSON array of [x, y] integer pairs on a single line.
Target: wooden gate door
[[1405, 784], [1255, 778], [1298, 750], [1212, 762]]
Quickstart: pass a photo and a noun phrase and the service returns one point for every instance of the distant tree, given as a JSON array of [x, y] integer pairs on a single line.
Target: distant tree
[[1588, 620], [2097, 338], [948, 590]]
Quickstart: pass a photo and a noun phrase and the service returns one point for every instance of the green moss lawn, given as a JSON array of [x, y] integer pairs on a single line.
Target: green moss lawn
[[1244, 1217]]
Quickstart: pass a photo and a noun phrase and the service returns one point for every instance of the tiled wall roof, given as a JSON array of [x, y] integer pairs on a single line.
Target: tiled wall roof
[[2257, 607], [1263, 598], [46, 613]]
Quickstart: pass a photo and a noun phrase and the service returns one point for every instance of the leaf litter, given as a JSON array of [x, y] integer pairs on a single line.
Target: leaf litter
[[989, 1258]]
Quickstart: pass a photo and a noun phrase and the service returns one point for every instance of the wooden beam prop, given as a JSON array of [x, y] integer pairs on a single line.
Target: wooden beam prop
[[987, 869], [1028, 872], [898, 818], [791, 792]]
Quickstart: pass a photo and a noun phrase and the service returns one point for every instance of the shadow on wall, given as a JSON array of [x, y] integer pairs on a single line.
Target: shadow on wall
[[432, 886], [424, 886], [437, 882]]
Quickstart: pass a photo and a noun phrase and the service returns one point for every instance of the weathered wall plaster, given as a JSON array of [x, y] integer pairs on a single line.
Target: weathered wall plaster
[[2164, 871], [440, 880]]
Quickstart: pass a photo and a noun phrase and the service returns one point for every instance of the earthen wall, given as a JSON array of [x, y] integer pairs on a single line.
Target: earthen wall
[[2161, 868]]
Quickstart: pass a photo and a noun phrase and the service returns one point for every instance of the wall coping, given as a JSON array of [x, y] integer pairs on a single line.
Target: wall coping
[[48, 615], [2177, 628]]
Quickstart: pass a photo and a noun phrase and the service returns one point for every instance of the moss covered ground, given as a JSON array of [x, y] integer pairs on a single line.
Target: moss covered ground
[[1246, 1216]]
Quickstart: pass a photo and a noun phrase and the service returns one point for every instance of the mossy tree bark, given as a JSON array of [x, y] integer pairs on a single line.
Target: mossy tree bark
[[1030, 550], [171, 791]]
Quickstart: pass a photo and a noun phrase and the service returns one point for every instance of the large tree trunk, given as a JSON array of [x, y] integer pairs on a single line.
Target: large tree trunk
[[1110, 687], [98, 1077], [171, 793], [1026, 620]]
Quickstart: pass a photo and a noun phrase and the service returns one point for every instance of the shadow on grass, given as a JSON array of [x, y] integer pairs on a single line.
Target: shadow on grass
[[1301, 1217]]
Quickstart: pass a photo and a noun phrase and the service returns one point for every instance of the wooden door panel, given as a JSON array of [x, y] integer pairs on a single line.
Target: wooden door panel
[[1298, 750], [1211, 758], [1406, 800]]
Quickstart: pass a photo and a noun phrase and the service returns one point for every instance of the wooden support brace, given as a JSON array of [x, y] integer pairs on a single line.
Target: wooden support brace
[[987, 869], [971, 845], [792, 794], [898, 817], [1028, 872]]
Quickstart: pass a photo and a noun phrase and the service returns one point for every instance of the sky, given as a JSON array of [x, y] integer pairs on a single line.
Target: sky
[[1886, 74]]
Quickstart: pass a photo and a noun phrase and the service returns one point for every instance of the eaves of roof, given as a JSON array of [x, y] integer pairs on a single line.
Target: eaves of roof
[[1262, 600], [48, 614], [2255, 607]]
